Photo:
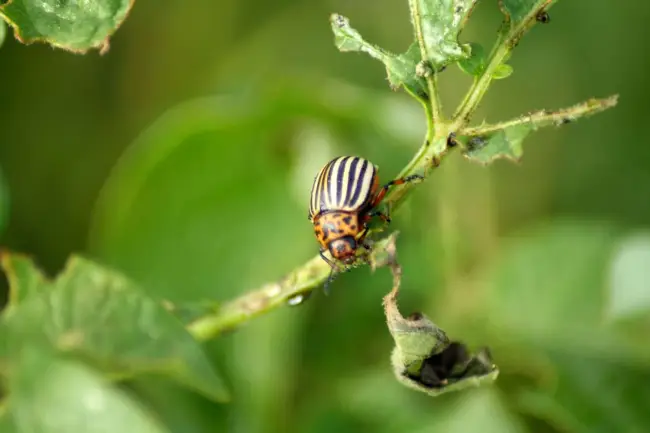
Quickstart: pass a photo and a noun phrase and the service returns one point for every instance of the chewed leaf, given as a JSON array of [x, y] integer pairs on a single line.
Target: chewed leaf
[[486, 143], [440, 22], [399, 68], [102, 316], [503, 143], [76, 26], [425, 359]]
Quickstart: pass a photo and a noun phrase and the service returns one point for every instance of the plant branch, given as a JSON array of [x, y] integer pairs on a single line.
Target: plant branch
[[429, 74], [293, 289], [543, 118], [509, 35], [480, 85]]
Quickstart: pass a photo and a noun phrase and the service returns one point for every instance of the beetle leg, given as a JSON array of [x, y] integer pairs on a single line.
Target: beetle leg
[[381, 215], [329, 262], [332, 274], [380, 195]]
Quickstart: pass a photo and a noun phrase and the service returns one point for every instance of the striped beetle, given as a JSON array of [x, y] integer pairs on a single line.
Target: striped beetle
[[344, 198]]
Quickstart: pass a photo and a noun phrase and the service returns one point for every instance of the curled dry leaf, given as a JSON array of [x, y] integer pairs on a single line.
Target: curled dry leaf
[[424, 358]]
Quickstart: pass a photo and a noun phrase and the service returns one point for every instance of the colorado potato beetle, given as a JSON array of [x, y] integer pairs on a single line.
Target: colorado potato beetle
[[344, 198]]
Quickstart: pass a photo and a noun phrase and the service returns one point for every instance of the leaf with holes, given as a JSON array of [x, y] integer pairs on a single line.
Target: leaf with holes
[[438, 24], [102, 316], [76, 26], [399, 68]]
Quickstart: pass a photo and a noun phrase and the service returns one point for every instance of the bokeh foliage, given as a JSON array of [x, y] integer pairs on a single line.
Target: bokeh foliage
[[539, 259]]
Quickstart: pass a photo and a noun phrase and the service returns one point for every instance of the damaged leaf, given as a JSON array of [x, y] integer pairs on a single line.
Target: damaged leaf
[[76, 26], [424, 358], [438, 24], [399, 68]]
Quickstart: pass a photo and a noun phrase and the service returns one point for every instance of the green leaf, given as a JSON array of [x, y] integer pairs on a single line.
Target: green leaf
[[424, 359], [521, 15], [486, 143], [76, 26], [502, 143], [437, 26], [24, 279], [502, 71], [399, 68], [475, 63], [51, 395], [102, 316]]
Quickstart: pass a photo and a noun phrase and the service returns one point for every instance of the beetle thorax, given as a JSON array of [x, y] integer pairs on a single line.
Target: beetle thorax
[[338, 232]]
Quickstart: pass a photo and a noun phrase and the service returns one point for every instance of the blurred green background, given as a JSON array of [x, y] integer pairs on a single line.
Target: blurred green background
[[184, 157]]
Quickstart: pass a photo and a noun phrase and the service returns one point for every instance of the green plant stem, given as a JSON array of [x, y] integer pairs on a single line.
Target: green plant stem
[[480, 85], [542, 118], [432, 77], [296, 286]]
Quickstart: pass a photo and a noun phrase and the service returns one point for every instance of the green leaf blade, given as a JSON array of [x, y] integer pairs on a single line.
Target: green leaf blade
[[474, 64], [24, 279], [52, 395], [72, 26], [103, 317], [438, 24], [400, 69], [504, 143]]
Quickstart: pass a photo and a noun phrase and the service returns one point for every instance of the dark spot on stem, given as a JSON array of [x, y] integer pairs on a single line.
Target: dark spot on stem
[[451, 140], [543, 17], [347, 219]]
